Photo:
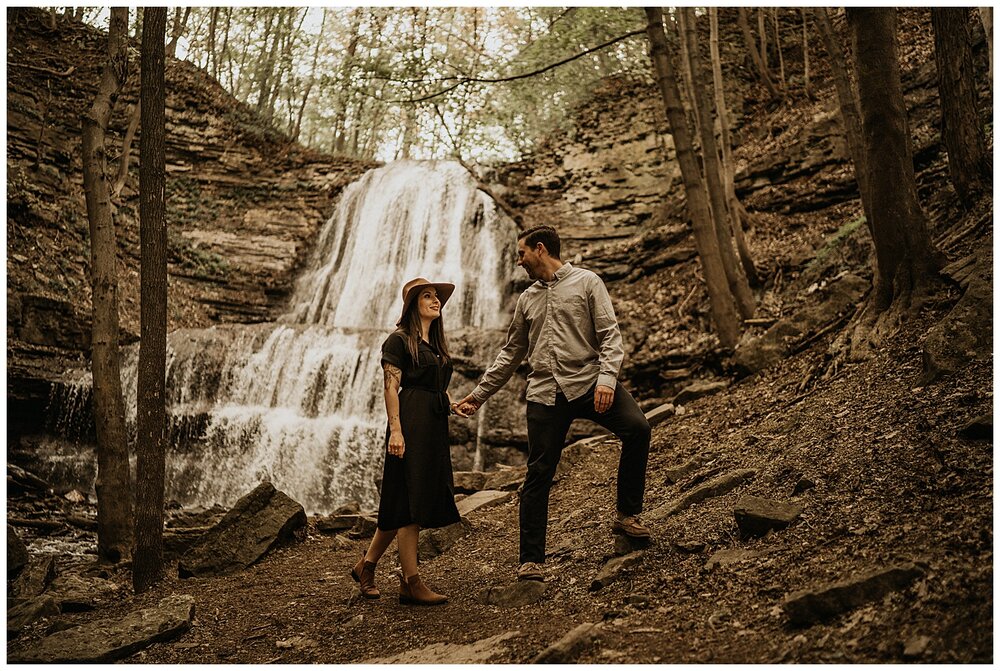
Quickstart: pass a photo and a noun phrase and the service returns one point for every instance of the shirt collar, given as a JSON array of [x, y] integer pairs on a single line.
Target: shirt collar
[[561, 273]]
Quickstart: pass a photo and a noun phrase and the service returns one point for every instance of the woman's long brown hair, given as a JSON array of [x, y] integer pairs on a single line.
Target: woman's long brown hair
[[410, 328]]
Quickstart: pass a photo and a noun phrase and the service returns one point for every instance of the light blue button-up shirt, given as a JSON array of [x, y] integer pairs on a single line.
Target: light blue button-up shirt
[[569, 332]]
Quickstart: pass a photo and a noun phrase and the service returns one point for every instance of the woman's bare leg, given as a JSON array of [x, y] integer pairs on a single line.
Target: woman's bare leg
[[380, 542], [407, 544]]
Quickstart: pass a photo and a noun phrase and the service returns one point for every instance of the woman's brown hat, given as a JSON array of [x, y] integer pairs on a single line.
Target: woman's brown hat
[[413, 287]]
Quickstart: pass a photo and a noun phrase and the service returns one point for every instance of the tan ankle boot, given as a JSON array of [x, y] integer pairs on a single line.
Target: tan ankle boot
[[412, 590], [364, 573]]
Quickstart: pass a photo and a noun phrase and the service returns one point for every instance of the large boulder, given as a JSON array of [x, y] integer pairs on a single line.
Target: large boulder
[[111, 639], [433, 542], [17, 553], [966, 333], [259, 521]]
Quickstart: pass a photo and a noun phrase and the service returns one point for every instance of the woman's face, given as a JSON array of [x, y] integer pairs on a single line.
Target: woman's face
[[428, 304]]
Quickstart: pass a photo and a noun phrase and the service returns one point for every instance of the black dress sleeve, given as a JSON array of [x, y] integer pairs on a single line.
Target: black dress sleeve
[[394, 351]]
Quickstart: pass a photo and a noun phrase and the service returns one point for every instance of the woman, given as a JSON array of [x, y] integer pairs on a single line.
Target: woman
[[417, 485]]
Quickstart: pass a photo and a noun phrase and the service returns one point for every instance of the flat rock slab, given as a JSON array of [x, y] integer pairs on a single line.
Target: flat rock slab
[[569, 647], [613, 568], [259, 521], [729, 557], [980, 428], [678, 473], [433, 542], [699, 389], [479, 652], [33, 580], [467, 482], [111, 640], [755, 516], [723, 484], [76, 593], [625, 544], [505, 478], [483, 499], [521, 593], [26, 611], [660, 414], [815, 605]]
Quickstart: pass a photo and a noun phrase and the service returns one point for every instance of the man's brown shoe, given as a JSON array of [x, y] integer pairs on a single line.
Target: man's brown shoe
[[530, 571], [630, 526], [364, 573], [412, 590]]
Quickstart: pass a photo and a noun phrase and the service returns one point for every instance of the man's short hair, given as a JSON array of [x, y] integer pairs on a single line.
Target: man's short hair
[[545, 235]]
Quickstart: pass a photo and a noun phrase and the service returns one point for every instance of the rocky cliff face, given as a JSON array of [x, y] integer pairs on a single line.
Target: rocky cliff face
[[243, 204]]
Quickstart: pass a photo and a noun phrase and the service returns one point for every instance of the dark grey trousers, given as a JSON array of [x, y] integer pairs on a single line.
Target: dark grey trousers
[[547, 427]]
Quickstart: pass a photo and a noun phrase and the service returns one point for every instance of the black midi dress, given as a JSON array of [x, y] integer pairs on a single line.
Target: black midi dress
[[418, 488]]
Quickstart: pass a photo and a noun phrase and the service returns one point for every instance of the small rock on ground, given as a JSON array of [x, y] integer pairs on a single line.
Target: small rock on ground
[[521, 593], [813, 605], [569, 647]]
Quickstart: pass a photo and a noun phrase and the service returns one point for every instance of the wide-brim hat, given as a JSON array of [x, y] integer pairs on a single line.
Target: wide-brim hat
[[412, 288]]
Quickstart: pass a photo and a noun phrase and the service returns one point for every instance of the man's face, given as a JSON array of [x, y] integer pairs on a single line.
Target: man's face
[[529, 259]]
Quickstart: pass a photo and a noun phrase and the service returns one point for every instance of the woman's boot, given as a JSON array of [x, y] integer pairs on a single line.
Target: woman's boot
[[364, 573], [413, 590]]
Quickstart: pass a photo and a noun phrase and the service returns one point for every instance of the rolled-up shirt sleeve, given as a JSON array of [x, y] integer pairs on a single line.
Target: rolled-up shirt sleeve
[[609, 337], [508, 359]]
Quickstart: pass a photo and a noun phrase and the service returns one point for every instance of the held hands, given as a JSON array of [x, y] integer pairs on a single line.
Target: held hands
[[603, 398], [396, 445], [467, 407]]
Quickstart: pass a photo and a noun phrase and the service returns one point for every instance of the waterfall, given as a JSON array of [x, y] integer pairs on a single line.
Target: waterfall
[[299, 402]]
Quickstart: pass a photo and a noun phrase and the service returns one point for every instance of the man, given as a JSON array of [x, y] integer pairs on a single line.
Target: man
[[566, 326]]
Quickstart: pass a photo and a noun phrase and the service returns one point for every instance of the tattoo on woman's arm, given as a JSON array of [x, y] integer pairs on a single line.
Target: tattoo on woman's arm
[[392, 377]]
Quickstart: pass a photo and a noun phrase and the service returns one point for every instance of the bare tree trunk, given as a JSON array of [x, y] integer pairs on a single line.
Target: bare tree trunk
[[986, 16], [713, 170], [968, 162], [133, 125], [180, 21], [688, 92], [312, 80], [762, 32], [805, 52], [754, 54], [850, 115], [737, 212], [723, 307], [906, 259], [777, 45], [114, 488], [213, 56], [53, 18], [147, 565]]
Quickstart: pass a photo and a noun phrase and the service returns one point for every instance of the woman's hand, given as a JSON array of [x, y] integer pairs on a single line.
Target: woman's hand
[[396, 444]]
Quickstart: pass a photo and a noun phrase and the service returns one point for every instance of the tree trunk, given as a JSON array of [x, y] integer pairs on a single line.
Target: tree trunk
[[905, 257], [213, 56], [312, 80], [986, 16], [147, 565], [713, 170], [805, 53], [968, 162], [123, 161], [114, 489], [687, 96], [754, 54], [762, 32], [777, 45], [723, 307], [180, 21], [848, 107], [736, 210]]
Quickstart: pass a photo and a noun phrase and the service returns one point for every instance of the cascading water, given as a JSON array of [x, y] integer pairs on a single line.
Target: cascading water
[[299, 402]]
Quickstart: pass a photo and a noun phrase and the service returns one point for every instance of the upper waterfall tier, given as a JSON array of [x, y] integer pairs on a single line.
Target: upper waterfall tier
[[404, 220]]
